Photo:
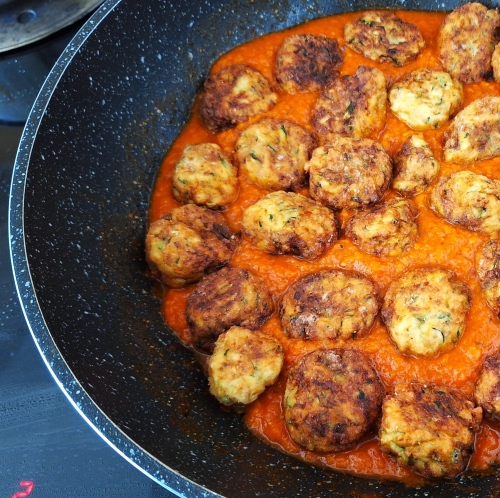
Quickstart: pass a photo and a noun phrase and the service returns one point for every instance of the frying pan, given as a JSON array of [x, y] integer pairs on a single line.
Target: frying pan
[[104, 119]]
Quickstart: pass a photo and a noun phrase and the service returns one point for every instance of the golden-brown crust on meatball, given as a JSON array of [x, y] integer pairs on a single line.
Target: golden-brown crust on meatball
[[384, 37], [272, 153], [425, 99], [333, 304], [429, 428], [488, 272], [387, 230], [495, 63], [188, 243], [415, 167], [487, 389], [474, 133], [332, 399], [469, 200], [231, 296], [233, 95], [349, 173], [466, 41], [425, 311], [244, 363], [290, 223], [306, 63], [204, 175], [353, 105]]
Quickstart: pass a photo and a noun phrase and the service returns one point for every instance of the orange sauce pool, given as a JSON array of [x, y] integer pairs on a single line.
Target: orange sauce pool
[[439, 244]]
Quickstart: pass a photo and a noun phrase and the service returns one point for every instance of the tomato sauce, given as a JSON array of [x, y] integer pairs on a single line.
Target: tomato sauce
[[439, 244]]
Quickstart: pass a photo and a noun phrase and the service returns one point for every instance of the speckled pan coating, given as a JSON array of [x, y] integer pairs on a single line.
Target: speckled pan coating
[[88, 158]]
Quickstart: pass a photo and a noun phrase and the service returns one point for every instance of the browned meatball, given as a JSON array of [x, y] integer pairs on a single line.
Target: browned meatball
[[387, 230], [305, 63], [354, 105], [466, 41], [487, 390], [333, 304], [384, 37], [429, 428], [188, 243], [332, 399], [488, 272], [349, 173], [233, 95], [228, 297]]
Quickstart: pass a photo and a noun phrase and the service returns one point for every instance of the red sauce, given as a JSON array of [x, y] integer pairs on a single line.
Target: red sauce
[[439, 244]]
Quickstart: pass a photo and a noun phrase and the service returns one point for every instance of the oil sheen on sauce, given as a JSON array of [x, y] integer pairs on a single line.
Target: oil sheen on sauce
[[439, 244]]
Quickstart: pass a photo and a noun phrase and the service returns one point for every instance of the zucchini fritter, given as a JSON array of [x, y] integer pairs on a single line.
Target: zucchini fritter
[[243, 364], [332, 399], [384, 37], [430, 428], [306, 63], [487, 389], [488, 272], [425, 311], [333, 304]]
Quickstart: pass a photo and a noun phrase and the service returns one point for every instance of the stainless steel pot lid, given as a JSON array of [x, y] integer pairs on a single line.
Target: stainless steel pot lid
[[26, 21]]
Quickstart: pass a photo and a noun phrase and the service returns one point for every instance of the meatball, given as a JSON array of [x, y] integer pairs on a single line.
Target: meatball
[[349, 173], [425, 311], [387, 230], [353, 105], [474, 133], [243, 364], [415, 167], [333, 304], [487, 390], [469, 200], [429, 428], [305, 63], [289, 223], [425, 99], [228, 297], [384, 37], [272, 154], [495, 63], [188, 243], [488, 272], [466, 41], [233, 95], [205, 176], [332, 399]]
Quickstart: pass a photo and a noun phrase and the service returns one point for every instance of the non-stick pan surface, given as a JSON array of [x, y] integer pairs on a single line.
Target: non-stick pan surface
[[103, 121]]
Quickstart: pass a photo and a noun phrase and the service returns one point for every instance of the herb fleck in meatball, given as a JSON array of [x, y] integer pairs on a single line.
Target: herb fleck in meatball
[[233, 95], [425, 311], [333, 304], [272, 153], [353, 105], [429, 428], [384, 37], [205, 176], [425, 99], [469, 200], [228, 297], [415, 167], [332, 399], [243, 364], [474, 133], [387, 230], [488, 272], [289, 223], [466, 41], [305, 63], [188, 243], [349, 173], [487, 390]]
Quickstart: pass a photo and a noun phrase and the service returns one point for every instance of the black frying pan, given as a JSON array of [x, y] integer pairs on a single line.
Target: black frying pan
[[87, 162]]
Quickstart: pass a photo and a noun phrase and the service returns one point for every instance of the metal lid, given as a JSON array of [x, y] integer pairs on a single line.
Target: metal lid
[[26, 21]]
